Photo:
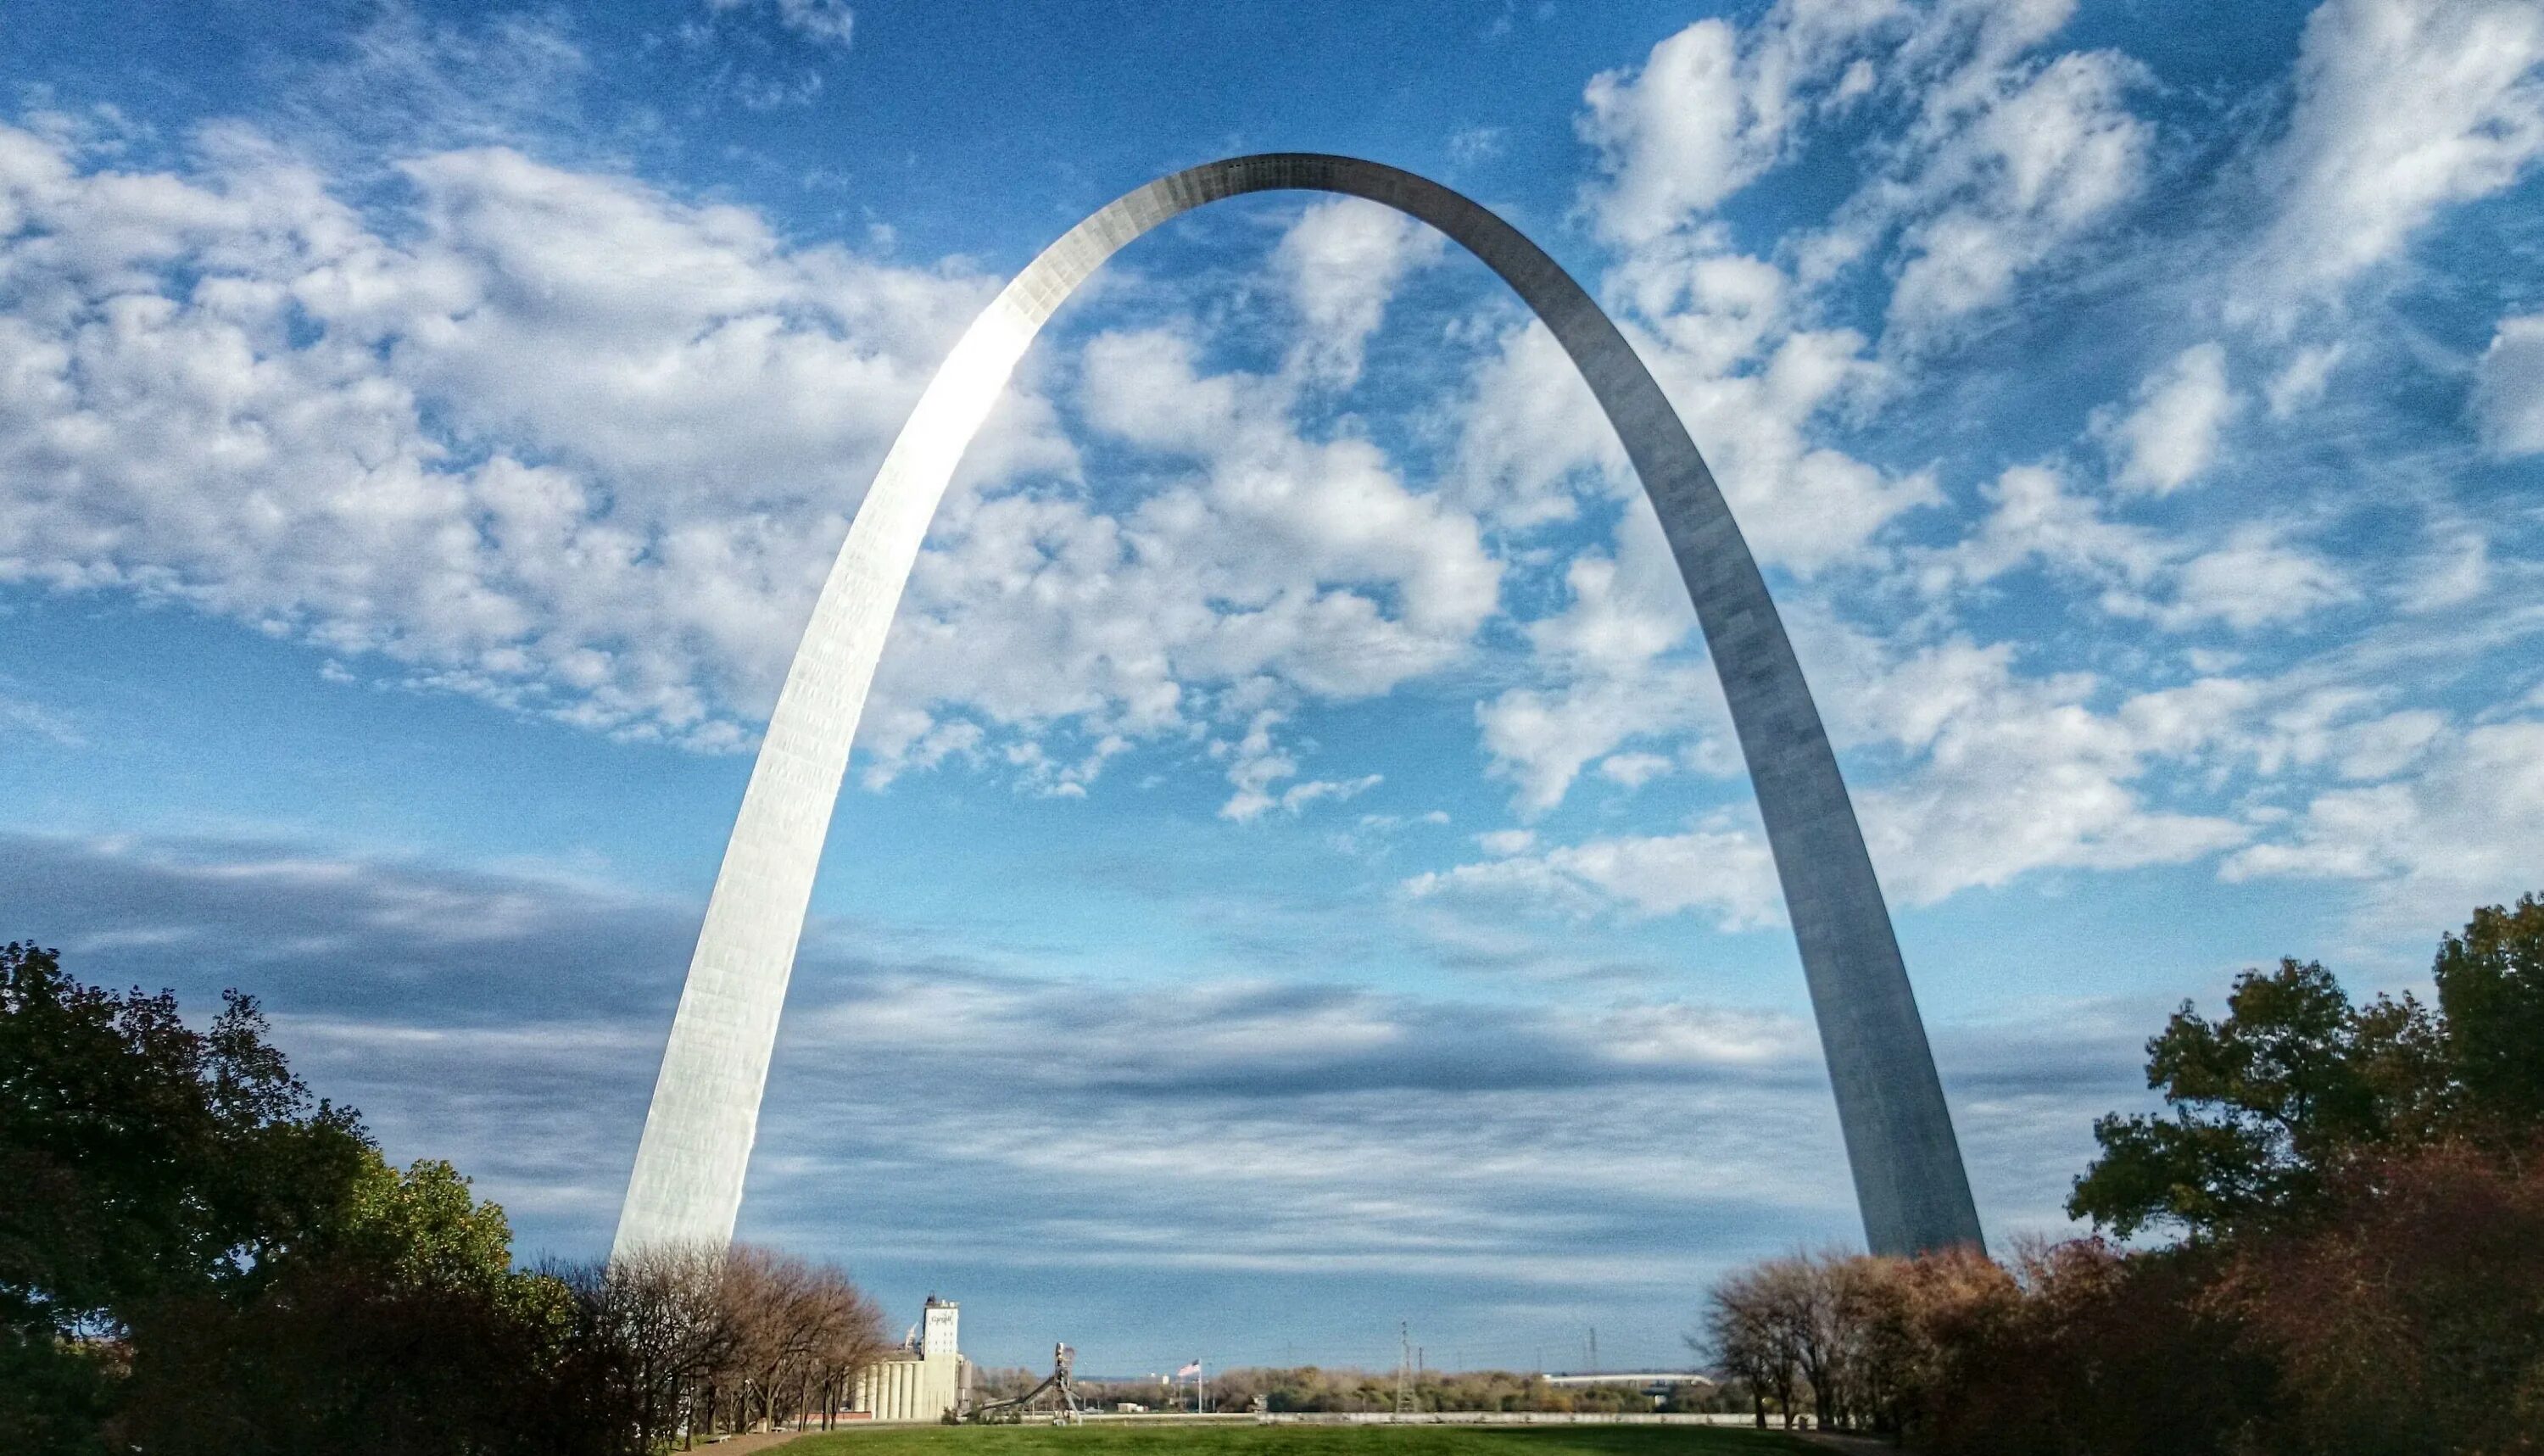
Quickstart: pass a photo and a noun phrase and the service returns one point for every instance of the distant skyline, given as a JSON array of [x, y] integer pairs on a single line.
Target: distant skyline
[[1296, 875]]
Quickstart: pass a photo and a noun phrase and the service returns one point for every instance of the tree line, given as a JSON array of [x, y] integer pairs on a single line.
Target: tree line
[[2331, 1241], [198, 1256]]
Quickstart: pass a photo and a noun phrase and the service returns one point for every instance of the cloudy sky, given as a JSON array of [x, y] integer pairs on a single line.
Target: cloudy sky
[[1294, 874]]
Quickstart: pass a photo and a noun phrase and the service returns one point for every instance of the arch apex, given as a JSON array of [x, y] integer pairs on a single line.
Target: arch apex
[[1905, 1159]]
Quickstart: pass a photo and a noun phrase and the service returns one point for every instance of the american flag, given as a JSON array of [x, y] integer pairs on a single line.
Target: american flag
[[1192, 1369]]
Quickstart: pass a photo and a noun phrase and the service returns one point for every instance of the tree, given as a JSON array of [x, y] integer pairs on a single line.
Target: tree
[[2491, 993], [1746, 1337], [661, 1330], [146, 1162], [199, 1256], [2271, 1104], [2265, 1102], [2411, 1316], [403, 1329], [1803, 1326]]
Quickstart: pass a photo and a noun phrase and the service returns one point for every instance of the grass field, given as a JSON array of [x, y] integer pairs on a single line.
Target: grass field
[[1320, 1440]]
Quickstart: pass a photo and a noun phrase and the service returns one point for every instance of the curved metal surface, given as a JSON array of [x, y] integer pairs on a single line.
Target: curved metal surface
[[688, 1176]]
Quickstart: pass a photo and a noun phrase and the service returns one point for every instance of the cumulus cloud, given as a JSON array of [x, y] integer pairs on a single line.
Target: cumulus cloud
[[2253, 580], [2032, 517], [2012, 776], [1714, 106], [554, 439], [1996, 776], [1634, 771], [2403, 106], [2427, 847], [573, 444], [1991, 163], [2253, 577], [2508, 387], [1677, 133], [1340, 263], [1750, 385], [2045, 156], [1607, 682], [2170, 434], [2303, 378], [1531, 439], [1269, 567], [18, 716]]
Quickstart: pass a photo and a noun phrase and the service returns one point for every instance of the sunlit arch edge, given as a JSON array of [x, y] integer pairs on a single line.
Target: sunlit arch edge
[[686, 1186]]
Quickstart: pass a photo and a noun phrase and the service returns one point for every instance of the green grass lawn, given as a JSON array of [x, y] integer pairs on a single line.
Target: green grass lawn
[[1338, 1440]]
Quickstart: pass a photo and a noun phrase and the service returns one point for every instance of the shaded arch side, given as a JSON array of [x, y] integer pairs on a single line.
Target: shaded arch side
[[686, 1186]]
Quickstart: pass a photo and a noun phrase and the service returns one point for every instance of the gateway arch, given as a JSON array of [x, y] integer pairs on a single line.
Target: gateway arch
[[686, 1186]]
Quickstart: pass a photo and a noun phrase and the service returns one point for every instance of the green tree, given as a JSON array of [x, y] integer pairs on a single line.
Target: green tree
[[2271, 1105], [199, 1256], [405, 1329], [2265, 1103], [2491, 991], [144, 1161]]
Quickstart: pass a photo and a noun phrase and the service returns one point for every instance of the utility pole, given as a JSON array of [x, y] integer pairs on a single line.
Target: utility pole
[[1404, 1371], [1594, 1349]]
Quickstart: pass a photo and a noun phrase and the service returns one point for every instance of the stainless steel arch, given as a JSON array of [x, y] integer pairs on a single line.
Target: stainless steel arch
[[688, 1183]]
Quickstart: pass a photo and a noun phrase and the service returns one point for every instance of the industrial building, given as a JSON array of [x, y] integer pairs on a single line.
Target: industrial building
[[922, 1379]]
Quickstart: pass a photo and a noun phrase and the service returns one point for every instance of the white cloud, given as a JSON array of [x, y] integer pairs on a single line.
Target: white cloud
[[2253, 580], [1268, 567], [2403, 106], [2032, 517], [1531, 437], [1541, 738], [1530, 434], [2430, 848], [1748, 385], [2012, 775], [2170, 437], [554, 439], [821, 21], [2301, 381], [2508, 387], [1340, 263], [1469, 146], [1634, 771], [1726, 871], [574, 446], [1711, 107], [1802, 504], [2455, 569], [1607, 685], [1989, 161], [34, 720], [2043, 158], [1677, 135]]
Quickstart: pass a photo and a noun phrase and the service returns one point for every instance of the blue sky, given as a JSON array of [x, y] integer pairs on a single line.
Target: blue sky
[[1296, 874]]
